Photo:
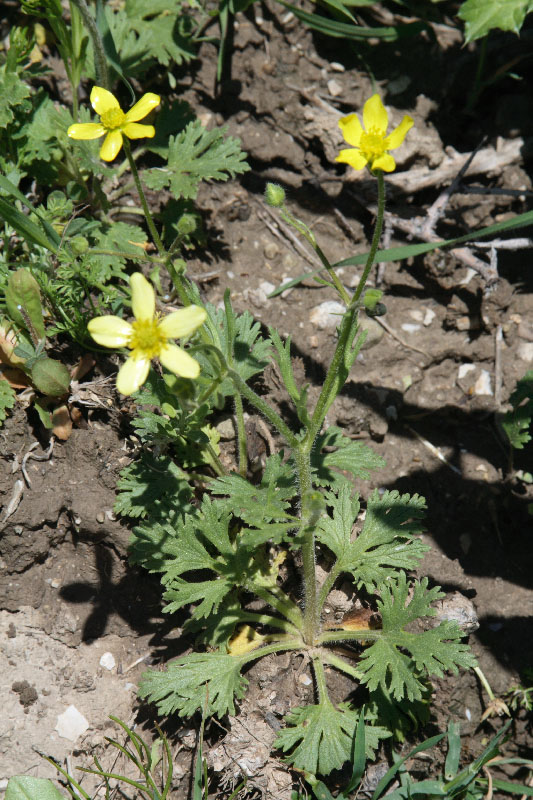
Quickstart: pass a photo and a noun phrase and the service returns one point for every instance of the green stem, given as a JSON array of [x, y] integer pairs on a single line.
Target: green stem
[[342, 665], [100, 61], [217, 464], [348, 636], [280, 601], [375, 238], [149, 220], [267, 619], [276, 647], [267, 411], [327, 586], [309, 517], [302, 228], [241, 435], [320, 676]]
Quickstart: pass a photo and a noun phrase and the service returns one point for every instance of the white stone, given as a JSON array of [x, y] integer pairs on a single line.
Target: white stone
[[464, 369], [483, 383], [327, 315], [410, 327], [429, 316], [108, 661], [417, 314], [334, 88], [525, 351], [71, 724]]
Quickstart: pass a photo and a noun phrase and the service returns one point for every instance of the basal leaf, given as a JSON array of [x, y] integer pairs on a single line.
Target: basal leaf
[[397, 656], [186, 682], [481, 16], [184, 592], [196, 155], [151, 485], [13, 93], [322, 736]]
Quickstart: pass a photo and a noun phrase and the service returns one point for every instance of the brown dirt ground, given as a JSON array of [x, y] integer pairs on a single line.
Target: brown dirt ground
[[68, 594]]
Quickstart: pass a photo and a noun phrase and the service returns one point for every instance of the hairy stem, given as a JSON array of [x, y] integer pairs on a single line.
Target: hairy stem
[[100, 61], [149, 220]]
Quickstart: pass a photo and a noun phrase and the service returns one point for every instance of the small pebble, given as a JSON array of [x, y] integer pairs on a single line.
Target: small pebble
[[483, 384], [334, 88], [429, 316], [328, 315], [55, 583], [417, 314], [271, 250], [107, 661], [464, 369], [305, 679], [410, 327], [336, 67], [100, 517], [525, 351], [71, 724]]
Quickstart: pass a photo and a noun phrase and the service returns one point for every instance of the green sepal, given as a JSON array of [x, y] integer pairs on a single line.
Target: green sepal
[[23, 301], [50, 377]]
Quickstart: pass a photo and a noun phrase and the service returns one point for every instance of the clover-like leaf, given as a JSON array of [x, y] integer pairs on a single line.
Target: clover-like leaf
[[348, 456], [386, 663], [322, 736], [481, 16], [186, 683], [196, 155], [387, 542]]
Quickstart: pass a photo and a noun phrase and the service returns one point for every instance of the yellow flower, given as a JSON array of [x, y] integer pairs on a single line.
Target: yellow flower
[[114, 122], [148, 337], [371, 143]]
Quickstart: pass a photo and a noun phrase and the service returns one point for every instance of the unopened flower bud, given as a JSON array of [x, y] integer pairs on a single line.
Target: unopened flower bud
[[274, 195]]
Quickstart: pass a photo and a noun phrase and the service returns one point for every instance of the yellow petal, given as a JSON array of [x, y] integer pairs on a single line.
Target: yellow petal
[[111, 146], [182, 322], [134, 130], [142, 297], [375, 117], [178, 361], [142, 107], [102, 100], [86, 130], [396, 137], [244, 641], [352, 157], [352, 129], [132, 374], [110, 331], [384, 162]]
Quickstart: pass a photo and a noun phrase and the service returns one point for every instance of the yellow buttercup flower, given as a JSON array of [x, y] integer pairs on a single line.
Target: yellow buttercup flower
[[148, 337], [114, 122], [371, 143]]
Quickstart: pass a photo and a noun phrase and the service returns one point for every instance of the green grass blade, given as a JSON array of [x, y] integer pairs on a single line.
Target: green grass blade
[[410, 250], [386, 779]]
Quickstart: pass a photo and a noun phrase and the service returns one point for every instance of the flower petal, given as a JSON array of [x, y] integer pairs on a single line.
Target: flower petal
[[111, 146], [396, 137], [352, 157], [142, 297], [351, 128], [132, 374], [142, 107], [182, 322], [178, 361], [375, 116], [110, 331], [134, 130], [86, 130], [384, 162], [102, 100]]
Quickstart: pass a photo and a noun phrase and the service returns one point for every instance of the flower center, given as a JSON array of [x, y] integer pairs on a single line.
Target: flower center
[[372, 144], [113, 119], [146, 338]]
